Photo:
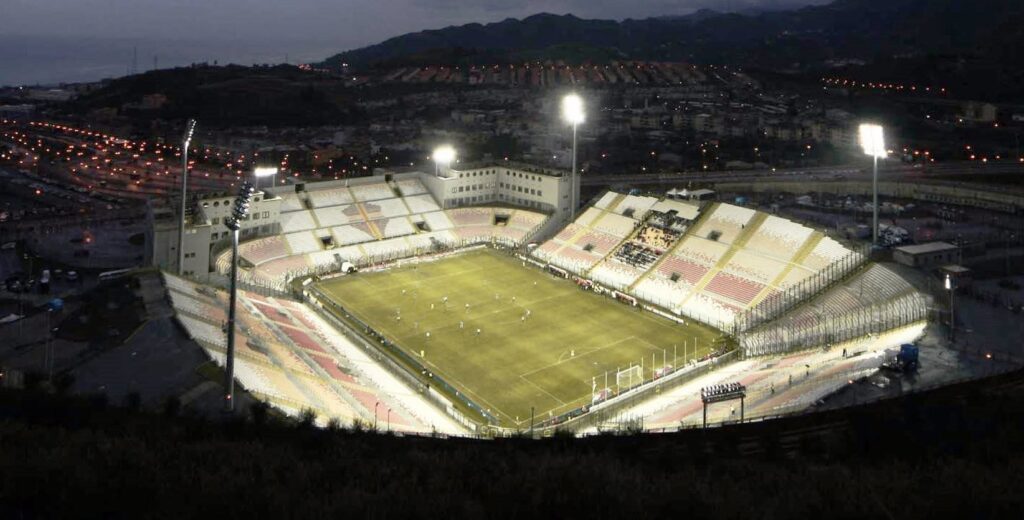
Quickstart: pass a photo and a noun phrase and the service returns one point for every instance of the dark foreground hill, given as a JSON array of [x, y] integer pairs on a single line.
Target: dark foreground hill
[[952, 453]]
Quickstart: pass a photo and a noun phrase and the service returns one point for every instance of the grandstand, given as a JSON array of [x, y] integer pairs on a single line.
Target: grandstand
[[371, 223], [283, 355], [713, 263], [705, 273]]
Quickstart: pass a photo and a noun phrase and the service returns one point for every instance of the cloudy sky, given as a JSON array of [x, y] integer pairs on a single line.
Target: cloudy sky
[[246, 31]]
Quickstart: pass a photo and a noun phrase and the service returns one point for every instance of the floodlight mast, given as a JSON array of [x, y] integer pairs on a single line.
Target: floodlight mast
[[190, 128], [239, 212], [572, 113], [872, 140]]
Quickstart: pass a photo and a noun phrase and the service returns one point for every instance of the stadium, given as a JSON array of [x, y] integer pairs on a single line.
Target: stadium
[[475, 302]]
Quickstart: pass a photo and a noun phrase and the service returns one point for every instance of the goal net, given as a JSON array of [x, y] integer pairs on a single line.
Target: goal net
[[629, 377]]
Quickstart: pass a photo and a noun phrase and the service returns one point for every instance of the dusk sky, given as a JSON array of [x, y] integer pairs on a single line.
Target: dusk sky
[[94, 38]]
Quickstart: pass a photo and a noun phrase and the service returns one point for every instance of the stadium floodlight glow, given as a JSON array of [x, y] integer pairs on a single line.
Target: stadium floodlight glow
[[444, 154], [572, 113], [265, 171], [239, 212], [872, 140], [572, 109], [190, 128]]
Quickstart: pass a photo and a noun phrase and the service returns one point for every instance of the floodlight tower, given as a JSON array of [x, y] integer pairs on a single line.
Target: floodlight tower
[[190, 128], [952, 308], [239, 212], [572, 113], [443, 155], [872, 140], [265, 171]]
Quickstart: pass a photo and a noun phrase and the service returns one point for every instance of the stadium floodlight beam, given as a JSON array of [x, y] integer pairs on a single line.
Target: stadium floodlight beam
[[239, 212], [572, 113], [872, 140], [444, 154], [190, 128], [265, 171]]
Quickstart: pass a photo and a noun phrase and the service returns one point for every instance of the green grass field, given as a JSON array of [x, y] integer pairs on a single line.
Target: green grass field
[[549, 360]]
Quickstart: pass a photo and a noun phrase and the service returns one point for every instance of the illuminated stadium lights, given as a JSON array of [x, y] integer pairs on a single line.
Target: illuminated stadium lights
[[239, 212], [190, 128], [443, 155], [572, 113], [872, 140], [264, 171]]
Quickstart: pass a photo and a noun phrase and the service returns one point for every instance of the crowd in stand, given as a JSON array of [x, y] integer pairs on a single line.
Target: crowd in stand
[[637, 255]]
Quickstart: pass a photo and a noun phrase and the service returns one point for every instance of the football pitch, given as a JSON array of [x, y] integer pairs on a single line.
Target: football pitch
[[542, 342]]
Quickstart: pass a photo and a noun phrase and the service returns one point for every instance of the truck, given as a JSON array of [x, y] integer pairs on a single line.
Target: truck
[[903, 360]]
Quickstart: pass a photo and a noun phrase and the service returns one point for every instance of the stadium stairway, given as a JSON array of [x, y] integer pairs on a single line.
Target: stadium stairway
[[801, 255], [694, 225], [741, 241]]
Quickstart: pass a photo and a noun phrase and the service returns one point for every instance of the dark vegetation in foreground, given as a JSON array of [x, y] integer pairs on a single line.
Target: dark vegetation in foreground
[[954, 452]]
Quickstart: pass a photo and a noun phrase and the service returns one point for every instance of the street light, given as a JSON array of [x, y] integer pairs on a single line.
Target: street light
[[239, 212], [444, 154], [265, 171], [872, 140], [572, 113], [190, 128]]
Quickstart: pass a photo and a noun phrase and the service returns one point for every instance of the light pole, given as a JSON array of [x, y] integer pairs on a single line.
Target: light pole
[[444, 154], [872, 140], [389, 419], [238, 213], [952, 309], [375, 406], [572, 113], [190, 127], [264, 171]]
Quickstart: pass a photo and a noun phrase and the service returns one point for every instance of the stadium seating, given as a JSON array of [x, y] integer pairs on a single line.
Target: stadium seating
[[263, 249], [422, 204], [727, 222], [375, 191], [291, 202], [471, 216], [681, 268], [733, 287], [303, 242], [394, 227], [437, 221], [330, 197], [338, 215], [779, 238], [346, 235], [410, 187], [615, 274], [297, 221]]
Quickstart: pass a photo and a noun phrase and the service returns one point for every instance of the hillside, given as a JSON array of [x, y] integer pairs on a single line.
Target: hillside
[[970, 36], [222, 96]]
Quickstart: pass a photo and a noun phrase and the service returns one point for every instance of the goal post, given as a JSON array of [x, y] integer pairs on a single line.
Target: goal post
[[629, 377]]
